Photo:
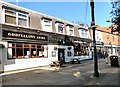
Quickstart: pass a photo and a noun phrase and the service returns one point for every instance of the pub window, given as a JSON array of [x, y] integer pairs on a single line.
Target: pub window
[[19, 50], [77, 50], [39, 46], [26, 52], [81, 50], [33, 45], [11, 45], [26, 45], [33, 52], [16, 18], [18, 45], [39, 52], [11, 53]]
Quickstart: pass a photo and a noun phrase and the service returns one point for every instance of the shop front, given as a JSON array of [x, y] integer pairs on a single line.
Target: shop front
[[27, 48], [100, 49], [63, 47], [24, 48], [111, 49], [82, 49]]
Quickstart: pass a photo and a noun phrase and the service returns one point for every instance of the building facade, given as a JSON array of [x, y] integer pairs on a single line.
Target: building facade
[[107, 40], [31, 39], [99, 42]]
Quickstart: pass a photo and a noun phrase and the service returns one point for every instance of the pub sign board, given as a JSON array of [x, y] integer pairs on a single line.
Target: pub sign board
[[22, 35]]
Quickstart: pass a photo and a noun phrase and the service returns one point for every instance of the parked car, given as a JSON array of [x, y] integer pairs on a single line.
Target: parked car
[[75, 60]]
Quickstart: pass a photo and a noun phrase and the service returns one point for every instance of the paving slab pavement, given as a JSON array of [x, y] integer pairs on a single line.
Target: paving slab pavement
[[70, 74]]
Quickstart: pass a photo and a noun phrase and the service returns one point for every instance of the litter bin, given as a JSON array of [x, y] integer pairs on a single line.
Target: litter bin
[[114, 61]]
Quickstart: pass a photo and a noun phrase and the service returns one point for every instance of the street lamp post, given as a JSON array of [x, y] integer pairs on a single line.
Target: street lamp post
[[96, 73]]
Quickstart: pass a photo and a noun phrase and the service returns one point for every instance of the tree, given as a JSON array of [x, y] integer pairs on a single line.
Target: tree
[[115, 14]]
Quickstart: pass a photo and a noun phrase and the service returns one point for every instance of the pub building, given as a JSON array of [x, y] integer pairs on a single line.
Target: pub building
[[32, 39]]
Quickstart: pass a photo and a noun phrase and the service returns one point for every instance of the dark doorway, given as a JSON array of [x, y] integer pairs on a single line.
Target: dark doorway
[[61, 55]]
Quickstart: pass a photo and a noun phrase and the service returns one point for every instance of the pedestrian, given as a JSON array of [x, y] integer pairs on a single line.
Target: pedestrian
[[61, 56], [106, 57], [103, 54], [92, 54]]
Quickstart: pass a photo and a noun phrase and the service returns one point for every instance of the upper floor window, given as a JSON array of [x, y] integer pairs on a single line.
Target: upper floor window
[[60, 28], [113, 38], [10, 17], [46, 24], [98, 36], [108, 37], [70, 30], [118, 39], [22, 19], [84, 33], [16, 18]]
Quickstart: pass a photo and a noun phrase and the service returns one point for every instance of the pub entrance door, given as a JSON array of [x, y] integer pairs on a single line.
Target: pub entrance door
[[61, 55]]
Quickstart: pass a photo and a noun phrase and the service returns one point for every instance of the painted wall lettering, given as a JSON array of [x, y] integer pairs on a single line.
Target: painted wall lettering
[[22, 35]]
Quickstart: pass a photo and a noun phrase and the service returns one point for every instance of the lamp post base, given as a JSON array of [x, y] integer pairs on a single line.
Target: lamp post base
[[96, 74]]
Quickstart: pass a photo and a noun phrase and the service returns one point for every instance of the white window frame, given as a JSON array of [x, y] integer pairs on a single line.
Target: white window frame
[[61, 25], [71, 28], [17, 17], [8, 15], [26, 18], [70, 32], [44, 25], [82, 33], [47, 23], [85, 33]]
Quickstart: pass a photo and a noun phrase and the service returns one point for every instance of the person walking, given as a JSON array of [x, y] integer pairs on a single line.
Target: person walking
[[61, 56], [106, 57], [103, 55]]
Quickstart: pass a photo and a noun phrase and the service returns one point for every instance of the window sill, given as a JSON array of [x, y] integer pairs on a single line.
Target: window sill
[[15, 25]]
